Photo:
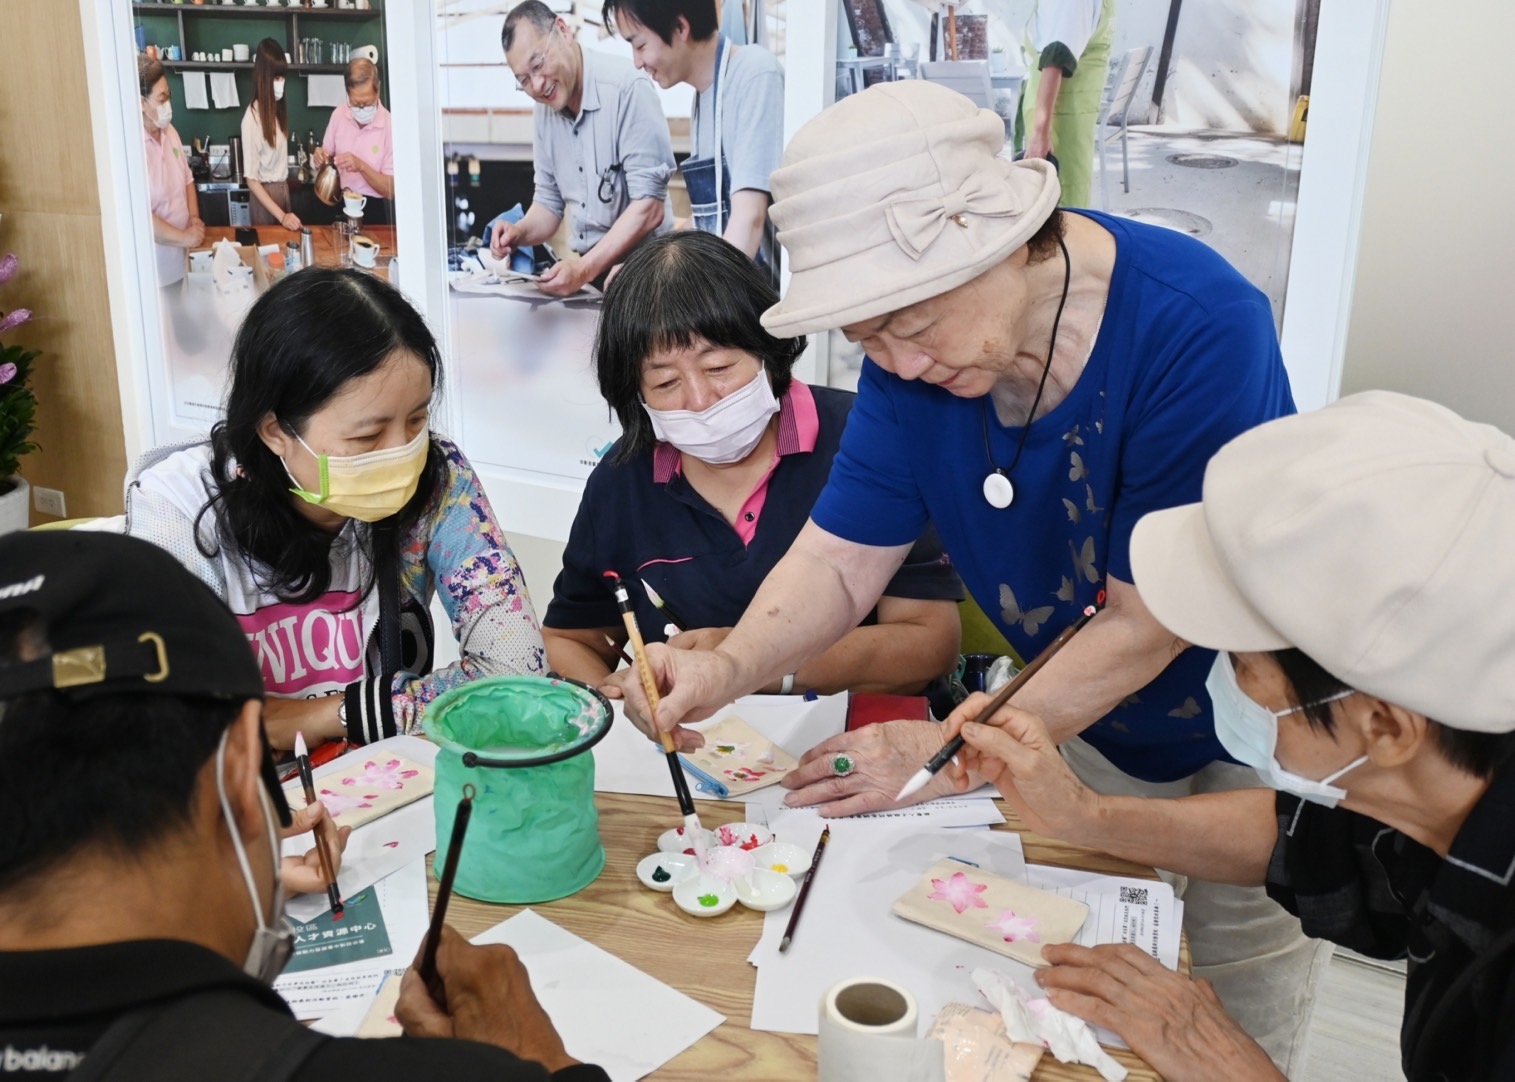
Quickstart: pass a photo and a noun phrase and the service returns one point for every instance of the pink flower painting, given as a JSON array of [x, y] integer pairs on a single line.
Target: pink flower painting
[[337, 803], [1015, 929], [385, 776], [960, 891]]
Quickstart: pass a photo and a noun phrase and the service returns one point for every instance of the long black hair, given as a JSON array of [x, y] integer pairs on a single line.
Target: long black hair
[[676, 290], [273, 116], [298, 347]]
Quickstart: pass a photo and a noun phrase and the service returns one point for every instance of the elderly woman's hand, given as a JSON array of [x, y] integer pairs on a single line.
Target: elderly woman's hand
[[682, 677], [1174, 1023], [862, 771]]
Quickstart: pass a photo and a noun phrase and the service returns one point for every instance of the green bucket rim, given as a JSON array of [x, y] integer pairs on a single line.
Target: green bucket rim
[[473, 759]]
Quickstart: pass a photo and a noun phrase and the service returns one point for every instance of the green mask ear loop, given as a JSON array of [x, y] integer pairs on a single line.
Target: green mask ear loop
[[321, 466]]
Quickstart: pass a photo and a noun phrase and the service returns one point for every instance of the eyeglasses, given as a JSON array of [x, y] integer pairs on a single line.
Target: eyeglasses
[[607, 183], [533, 71]]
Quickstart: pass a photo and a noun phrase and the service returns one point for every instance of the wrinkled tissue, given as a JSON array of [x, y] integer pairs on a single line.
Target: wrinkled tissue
[[1035, 1020]]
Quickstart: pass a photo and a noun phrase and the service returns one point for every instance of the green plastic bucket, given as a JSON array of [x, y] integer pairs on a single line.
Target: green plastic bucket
[[521, 742]]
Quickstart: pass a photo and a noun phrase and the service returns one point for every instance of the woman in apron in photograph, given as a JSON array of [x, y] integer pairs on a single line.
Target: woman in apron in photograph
[[1060, 34]]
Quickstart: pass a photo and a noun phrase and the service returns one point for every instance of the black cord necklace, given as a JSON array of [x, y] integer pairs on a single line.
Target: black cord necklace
[[998, 489]]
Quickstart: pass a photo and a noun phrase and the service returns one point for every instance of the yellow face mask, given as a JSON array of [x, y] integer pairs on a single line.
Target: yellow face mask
[[370, 486]]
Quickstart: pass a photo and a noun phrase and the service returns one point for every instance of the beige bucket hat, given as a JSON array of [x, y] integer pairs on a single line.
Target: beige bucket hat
[[894, 195], [1377, 535]]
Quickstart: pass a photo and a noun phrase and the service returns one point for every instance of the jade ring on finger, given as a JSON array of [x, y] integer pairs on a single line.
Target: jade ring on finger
[[842, 765]]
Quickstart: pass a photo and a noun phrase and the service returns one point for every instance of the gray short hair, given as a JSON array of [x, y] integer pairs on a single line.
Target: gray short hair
[[535, 12], [360, 72]]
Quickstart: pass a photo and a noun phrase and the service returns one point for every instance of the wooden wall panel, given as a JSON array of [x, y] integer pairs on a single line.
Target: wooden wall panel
[[51, 208]]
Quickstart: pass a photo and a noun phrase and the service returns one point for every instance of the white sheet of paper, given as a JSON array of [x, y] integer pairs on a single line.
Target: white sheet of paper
[[606, 1010], [374, 851], [316, 993], [847, 928], [1139, 911]]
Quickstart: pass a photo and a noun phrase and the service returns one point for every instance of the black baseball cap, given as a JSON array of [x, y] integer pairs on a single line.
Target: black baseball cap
[[119, 615]]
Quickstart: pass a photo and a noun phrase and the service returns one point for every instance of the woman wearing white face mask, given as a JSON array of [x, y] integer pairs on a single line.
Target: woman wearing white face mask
[[265, 139], [326, 514], [1356, 562], [723, 455], [171, 188]]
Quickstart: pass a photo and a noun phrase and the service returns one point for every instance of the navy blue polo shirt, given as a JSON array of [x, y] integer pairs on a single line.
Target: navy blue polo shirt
[[642, 519]]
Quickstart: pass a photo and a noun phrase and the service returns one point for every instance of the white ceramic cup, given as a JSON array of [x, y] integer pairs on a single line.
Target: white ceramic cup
[[240, 53], [365, 253], [354, 204], [226, 55]]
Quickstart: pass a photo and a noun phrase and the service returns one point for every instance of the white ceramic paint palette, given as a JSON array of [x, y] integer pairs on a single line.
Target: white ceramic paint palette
[[730, 869], [786, 858]]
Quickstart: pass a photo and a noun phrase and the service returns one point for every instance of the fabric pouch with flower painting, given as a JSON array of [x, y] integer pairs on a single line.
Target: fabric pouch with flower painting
[[739, 757], [991, 911], [373, 785]]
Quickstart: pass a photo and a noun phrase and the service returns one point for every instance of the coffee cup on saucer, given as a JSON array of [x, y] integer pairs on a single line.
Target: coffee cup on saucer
[[365, 250], [353, 203]]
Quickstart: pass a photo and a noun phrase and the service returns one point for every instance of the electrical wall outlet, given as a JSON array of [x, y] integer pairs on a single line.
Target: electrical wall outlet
[[49, 501]]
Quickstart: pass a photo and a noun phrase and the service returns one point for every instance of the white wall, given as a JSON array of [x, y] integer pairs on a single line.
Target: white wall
[[1433, 313]]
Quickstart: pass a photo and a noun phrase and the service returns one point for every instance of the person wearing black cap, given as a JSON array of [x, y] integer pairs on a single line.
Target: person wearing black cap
[[140, 892]]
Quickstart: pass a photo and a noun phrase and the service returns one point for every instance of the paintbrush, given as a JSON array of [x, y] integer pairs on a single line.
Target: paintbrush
[[692, 826], [675, 623], [799, 903], [428, 967], [302, 762], [922, 777]]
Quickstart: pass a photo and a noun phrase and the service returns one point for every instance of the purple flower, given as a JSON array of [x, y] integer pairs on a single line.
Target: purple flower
[[15, 319], [8, 267], [7, 373]]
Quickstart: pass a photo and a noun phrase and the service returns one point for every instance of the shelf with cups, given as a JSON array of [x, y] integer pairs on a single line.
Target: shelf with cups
[[251, 11], [246, 65]]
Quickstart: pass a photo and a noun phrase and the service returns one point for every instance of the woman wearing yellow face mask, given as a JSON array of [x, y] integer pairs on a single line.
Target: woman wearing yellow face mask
[[325, 512]]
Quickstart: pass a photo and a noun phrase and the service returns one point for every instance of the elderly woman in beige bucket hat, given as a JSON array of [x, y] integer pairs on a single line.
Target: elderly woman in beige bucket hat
[[1036, 381], [1357, 563]]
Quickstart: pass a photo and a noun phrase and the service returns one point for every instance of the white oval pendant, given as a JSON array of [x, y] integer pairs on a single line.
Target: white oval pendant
[[998, 490]]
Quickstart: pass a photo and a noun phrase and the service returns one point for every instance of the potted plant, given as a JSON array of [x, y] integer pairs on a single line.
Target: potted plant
[[18, 406]]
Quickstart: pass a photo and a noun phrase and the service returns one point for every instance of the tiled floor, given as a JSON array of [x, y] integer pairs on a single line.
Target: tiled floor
[[1354, 1036]]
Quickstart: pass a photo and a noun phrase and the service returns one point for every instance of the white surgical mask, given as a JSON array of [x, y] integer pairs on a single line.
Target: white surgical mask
[[365, 114], [278, 89], [162, 115], [274, 941], [1249, 732], [727, 431]]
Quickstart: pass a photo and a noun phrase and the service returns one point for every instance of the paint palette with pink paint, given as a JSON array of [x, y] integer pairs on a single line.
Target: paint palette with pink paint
[[367, 787], [725, 870], [991, 911]]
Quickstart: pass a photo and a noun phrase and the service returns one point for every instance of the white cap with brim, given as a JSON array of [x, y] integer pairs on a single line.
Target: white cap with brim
[[893, 196], [1376, 535]]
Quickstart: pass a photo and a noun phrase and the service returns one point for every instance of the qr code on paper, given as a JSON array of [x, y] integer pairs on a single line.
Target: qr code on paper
[[1133, 895]]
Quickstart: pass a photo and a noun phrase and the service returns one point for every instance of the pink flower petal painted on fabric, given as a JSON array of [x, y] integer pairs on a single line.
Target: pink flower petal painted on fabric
[[337, 803], [7, 373], [960, 891], [1015, 929], [15, 319], [8, 267]]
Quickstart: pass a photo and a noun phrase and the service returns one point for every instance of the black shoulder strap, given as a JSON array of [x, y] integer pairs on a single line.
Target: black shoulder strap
[[387, 571], [217, 1034]]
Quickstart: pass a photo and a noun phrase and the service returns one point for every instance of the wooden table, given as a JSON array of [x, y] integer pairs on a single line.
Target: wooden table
[[618, 914], [323, 245]]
